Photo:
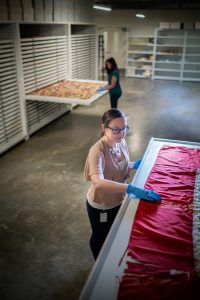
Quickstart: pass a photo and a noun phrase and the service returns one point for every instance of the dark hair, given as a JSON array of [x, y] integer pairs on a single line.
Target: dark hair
[[110, 115], [113, 63]]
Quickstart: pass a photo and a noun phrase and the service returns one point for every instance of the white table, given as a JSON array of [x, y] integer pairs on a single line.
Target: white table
[[102, 282]]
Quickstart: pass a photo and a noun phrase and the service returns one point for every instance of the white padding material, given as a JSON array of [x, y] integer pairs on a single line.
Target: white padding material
[[196, 223]]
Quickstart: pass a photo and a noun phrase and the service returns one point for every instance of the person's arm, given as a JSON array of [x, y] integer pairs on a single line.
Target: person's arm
[[113, 83], [109, 86], [108, 185], [122, 188]]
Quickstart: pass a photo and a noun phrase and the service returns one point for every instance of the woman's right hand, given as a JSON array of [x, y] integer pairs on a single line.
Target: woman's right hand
[[142, 193]]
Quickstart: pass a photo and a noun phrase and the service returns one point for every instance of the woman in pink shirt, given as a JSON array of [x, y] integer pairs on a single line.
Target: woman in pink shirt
[[107, 167]]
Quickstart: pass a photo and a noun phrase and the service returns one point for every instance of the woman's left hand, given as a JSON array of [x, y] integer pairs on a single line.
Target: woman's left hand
[[135, 164]]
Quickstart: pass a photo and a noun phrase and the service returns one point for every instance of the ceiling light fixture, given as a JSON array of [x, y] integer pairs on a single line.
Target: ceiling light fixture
[[105, 8], [141, 16]]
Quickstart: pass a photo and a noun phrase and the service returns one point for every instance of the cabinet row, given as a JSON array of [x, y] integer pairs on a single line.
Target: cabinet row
[[36, 56]]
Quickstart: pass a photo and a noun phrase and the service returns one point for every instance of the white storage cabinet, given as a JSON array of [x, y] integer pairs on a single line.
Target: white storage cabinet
[[45, 60], [169, 51], [177, 54], [12, 127], [83, 52], [139, 56], [191, 67]]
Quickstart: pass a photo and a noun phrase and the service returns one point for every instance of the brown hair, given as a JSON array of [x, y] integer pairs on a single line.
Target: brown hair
[[110, 115], [113, 63]]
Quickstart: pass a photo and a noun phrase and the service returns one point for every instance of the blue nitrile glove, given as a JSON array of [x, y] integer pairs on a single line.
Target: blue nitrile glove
[[136, 164], [101, 89], [142, 193]]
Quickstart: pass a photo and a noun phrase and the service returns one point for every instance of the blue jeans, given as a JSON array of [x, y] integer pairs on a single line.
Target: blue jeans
[[100, 230]]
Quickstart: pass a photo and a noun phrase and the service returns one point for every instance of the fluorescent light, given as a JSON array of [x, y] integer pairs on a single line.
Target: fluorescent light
[[102, 7], [141, 16]]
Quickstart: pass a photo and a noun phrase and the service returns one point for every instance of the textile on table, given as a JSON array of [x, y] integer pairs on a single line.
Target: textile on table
[[160, 262]]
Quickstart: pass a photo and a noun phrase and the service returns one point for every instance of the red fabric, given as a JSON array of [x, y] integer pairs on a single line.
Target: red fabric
[[159, 285], [161, 235]]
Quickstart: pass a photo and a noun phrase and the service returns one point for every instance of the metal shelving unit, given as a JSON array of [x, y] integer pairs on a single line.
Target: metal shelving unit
[[139, 56], [177, 54], [172, 54], [168, 51], [191, 68]]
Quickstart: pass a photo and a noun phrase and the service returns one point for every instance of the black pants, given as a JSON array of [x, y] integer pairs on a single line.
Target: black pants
[[100, 229], [114, 100]]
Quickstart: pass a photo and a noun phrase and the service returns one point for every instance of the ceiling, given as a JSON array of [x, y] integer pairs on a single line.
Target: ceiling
[[149, 4]]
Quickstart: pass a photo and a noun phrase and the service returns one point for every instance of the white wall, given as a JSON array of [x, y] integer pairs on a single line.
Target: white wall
[[116, 20], [127, 18]]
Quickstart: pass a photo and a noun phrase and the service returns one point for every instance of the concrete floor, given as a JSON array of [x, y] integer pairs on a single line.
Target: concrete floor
[[44, 229]]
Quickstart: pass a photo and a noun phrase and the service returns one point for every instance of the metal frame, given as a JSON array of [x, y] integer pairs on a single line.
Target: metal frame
[[103, 281]]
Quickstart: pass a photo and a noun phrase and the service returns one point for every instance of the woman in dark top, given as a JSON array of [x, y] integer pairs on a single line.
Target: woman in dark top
[[113, 86]]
